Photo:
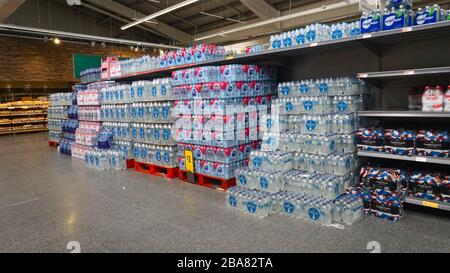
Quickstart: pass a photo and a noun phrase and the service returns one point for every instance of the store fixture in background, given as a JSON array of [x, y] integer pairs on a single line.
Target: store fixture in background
[[23, 116]]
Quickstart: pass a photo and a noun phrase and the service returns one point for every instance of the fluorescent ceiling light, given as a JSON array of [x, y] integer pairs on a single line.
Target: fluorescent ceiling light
[[149, 21], [159, 13], [212, 15], [234, 20], [275, 20], [80, 36]]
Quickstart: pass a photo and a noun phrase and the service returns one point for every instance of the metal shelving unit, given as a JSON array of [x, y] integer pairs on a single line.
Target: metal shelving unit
[[427, 203], [12, 116], [440, 29], [403, 114], [422, 159], [405, 73]]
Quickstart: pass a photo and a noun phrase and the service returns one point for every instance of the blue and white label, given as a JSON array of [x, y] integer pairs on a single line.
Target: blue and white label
[[154, 91], [140, 91], [308, 105], [251, 207], [314, 214], [285, 90], [264, 183], [232, 201], [337, 34], [166, 134], [342, 106], [166, 157], [288, 207], [311, 125], [311, 35], [165, 112], [301, 39], [323, 87], [287, 42], [303, 88], [257, 162], [155, 112], [289, 106], [242, 180], [158, 156]]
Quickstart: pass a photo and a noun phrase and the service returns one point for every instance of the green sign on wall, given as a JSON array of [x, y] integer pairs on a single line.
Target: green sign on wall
[[82, 62]]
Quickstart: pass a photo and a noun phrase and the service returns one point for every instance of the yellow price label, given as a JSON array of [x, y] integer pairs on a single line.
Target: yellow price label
[[189, 160], [230, 58], [430, 204]]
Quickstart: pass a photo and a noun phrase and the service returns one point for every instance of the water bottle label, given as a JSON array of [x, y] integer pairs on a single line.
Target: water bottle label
[[136, 153], [140, 91], [232, 201], [97, 162], [311, 125], [242, 180], [257, 162], [158, 156], [188, 57], [163, 90], [134, 132], [314, 214], [141, 112], [166, 157], [251, 207], [141, 132], [311, 35], [124, 132], [269, 123], [323, 87], [288, 207], [332, 145], [342, 106], [301, 39], [166, 134], [156, 134], [303, 88], [155, 112], [133, 113], [287, 42], [121, 97], [285, 90], [143, 154], [308, 105], [165, 112], [122, 113], [154, 91], [132, 92], [264, 183], [337, 34], [113, 161], [289, 106]]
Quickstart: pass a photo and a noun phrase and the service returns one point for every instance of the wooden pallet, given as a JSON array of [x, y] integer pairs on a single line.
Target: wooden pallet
[[209, 181], [165, 172]]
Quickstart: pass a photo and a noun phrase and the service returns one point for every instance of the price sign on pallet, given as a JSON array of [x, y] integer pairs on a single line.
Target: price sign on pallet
[[190, 169]]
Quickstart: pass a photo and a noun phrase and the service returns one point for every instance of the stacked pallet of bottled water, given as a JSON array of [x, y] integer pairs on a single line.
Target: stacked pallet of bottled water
[[308, 153], [115, 112], [217, 109], [151, 117], [57, 112]]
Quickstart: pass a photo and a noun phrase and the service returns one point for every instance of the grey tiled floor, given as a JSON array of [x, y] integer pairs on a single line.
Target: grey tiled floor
[[48, 200]]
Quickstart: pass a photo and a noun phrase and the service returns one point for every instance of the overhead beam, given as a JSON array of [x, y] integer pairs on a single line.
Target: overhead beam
[[8, 7], [127, 12], [261, 9]]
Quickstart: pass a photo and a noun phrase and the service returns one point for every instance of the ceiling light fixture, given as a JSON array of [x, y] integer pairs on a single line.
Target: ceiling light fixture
[[148, 21], [79, 36], [57, 41], [235, 20], [275, 20], [159, 13]]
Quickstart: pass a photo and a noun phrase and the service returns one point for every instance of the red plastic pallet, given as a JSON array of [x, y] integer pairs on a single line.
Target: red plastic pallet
[[209, 181], [156, 170], [53, 144], [130, 164]]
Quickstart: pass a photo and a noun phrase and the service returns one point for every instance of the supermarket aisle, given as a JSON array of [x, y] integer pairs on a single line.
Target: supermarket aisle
[[48, 200]]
